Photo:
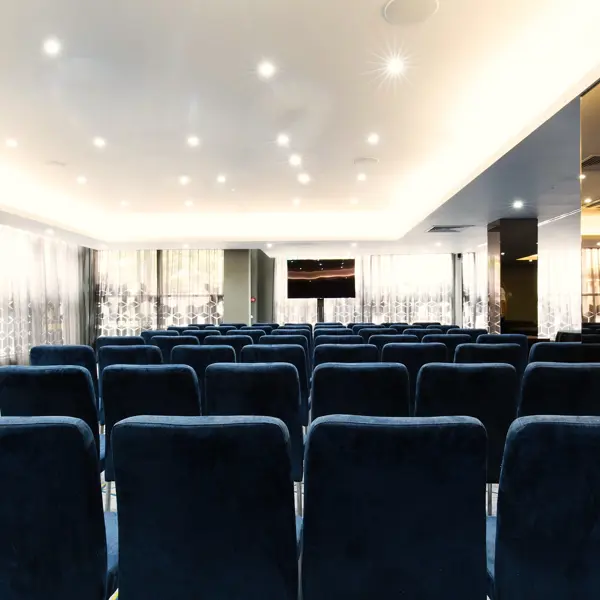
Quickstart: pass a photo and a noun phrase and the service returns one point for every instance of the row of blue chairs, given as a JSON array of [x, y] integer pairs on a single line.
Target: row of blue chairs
[[223, 525]]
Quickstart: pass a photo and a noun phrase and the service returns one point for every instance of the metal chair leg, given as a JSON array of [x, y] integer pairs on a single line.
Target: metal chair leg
[[489, 499], [108, 495], [299, 498]]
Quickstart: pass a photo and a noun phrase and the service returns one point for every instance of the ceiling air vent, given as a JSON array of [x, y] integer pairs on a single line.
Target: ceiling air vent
[[591, 163], [448, 228]]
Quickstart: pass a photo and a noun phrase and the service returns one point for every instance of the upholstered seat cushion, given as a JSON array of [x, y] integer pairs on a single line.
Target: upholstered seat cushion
[[112, 552], [490, 549]]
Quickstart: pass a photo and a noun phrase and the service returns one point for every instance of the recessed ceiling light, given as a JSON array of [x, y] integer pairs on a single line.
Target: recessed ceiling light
[[269, 245], [283, 140], [221, 179], [81, 180], [266, 69], [296, 201], [438, 244], [587, 201], [353, 244], [395, 65], [597, 243], [582, 176], [361, 177], [49, 232], [502, 253], [184, 180], [295, 160], [193, 141], [186, 246], [354, 201], [233, 189], [11, 143], [189, 203], [518, 204], [99, 142], [52, 47], [304, 178], [124, 203], [373, 139]]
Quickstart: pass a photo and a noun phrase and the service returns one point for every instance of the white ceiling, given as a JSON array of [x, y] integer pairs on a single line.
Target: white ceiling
[[146, 74]]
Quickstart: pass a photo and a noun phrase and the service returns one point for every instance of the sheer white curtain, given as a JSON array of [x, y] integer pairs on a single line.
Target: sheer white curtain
[[389, 288], [475, 292], [40, 293]]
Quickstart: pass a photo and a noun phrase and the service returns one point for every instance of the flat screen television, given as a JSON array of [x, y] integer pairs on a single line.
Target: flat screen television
[[331, 278]]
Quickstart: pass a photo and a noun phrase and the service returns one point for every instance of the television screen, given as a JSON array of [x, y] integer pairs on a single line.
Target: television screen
[[331, 278]]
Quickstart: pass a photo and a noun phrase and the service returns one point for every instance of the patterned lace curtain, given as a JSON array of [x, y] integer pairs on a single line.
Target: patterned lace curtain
[[191, 287], [40, 293], [391, 288], [590, 293], [475, 292]]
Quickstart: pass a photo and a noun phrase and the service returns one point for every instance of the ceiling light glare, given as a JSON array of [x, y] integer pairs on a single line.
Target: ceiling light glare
[[52, 47], [597, 243], [186, 246], [395, 66], [518, 204], [184, 180], [266, 70], [373, 139], [582, 176], [124, 203], [81, 180], [221, 179], [304, 178], [295, 160], [354, 200], [49, 232], [502, 253], [361, 177], [99, 142], [11, 143], [283, 140], [438, 244], [269, 245], [353, 244], [296, 201], [193, 141], [188, 203], [587, 201]]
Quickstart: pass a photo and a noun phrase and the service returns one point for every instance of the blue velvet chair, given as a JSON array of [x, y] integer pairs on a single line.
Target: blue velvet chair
[[266, 328], [401, 327], [473, 333], [331, 331], [561, 389], [199, 357], [422, 332], [128, 355], [568, 352], [130, 390], [219, 528], [284, 353], [511, 354], [255, 334], [222, 329], [202, 334], [366, 332], [297, 340], [308, 325], [337, 339], [181, 328], [269, 390], [356, 327], [375, 390], [148, 335], [374, 526], [118, 340], [427, 324], [295, 327], [345, 353], [236, 325], [487, 392], [413, 357], [451, 341], [51, 391], [329, 325], [443, 328], [237, 342], [282, 331], [545, 543], [380, 340], [55, 542], [508, 338], [273, 326], [166, 344]]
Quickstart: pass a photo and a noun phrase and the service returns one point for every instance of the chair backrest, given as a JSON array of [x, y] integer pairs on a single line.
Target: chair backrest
[[451, 341], [338, 339], [284, 353], [356, 327], [507, 338], [549, 549], [49, 391], [320, 331], [567, 352], [298, 340], [376, 390], [473, 333], [373, 490], [295, 328], [266, 328], [78, 356], [345, 353], [260, 389], [128, 355], [413, 357], [222, 329], [201, 335], [401, 327], [367, 332], [220, 528], [53, 542], [148, 335], [422, 332], [487, 392], [561, 389], [444, 328], [273, 326], [236, 325], [309, 325], [426, 324], [166, 344], [381, 339], [511, 354], [181, 328], [237, 342], [118, 340], [130, 390], [255, 334], [329, 324]]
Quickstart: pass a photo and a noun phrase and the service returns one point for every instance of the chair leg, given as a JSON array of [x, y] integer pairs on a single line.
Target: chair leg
[[299, 498], [489, 499], [108, 495]]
